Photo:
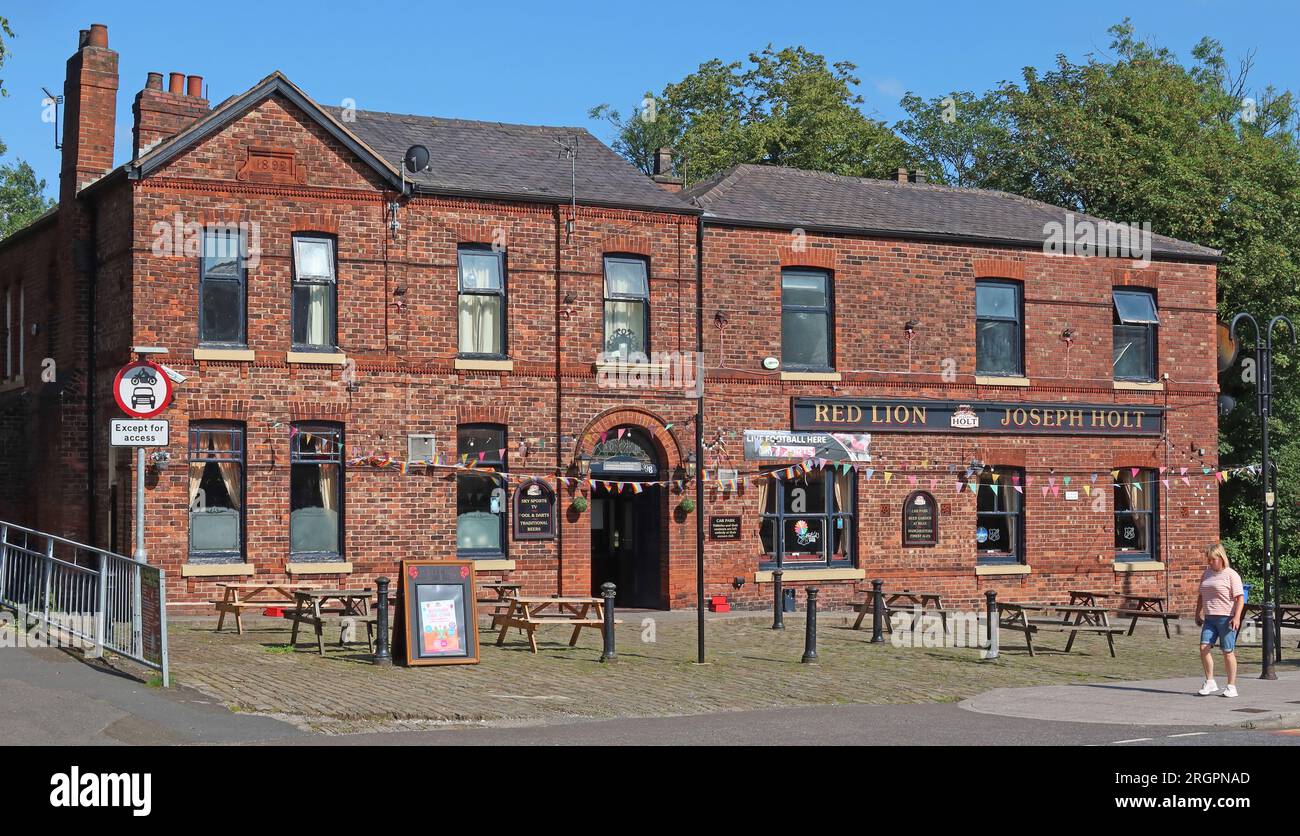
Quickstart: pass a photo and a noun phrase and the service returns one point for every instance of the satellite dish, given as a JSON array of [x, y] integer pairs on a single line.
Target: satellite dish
[[417, 159]]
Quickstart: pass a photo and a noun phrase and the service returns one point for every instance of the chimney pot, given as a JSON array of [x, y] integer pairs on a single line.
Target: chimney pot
[[917, 177], [83, 38], [194, 86], [663, 161], [176, 83], [902, 175], [153, 82], [99, 35]]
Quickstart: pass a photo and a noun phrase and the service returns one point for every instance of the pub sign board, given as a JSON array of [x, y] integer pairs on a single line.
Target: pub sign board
[[920, 520], [435, 614], [534, 517], [780, 445], [849, 415]]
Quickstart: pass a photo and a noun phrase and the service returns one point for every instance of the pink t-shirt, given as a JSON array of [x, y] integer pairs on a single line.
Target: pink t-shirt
[[1219, 591]]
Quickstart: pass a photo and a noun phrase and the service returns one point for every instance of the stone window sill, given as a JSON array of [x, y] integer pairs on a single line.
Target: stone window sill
[[215, 570], [11, 384], [812, 376], [788, 575], [998, 380], [1139, 566], [473, 365], [1139, 386], [322, 358], [1008, 569], [328, 568], [494, 565], [241, 355]]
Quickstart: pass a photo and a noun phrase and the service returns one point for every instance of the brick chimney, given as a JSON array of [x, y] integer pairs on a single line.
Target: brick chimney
[[161, 114], [90, 114], [663, 171]]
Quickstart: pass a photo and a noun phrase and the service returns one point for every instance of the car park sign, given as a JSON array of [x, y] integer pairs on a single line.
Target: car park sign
[[142, 389]]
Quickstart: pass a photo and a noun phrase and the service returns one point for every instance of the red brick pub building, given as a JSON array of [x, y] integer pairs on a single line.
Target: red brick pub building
[[901, 380]]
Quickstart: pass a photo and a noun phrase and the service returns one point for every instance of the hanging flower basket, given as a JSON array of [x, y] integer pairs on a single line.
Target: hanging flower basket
[[687, 505], [579, 504]]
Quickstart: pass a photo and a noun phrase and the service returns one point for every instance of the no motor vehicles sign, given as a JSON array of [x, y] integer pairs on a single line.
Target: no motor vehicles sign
[[142, 389]]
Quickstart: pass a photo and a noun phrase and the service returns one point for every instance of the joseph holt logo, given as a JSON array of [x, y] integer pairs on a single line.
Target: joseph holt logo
[[964, 418]]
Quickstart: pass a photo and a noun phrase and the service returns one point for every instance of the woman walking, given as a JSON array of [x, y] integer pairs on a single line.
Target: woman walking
[[1218, 613]]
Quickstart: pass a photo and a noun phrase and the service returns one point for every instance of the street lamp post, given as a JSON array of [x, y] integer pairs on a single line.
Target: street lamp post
[[1272, 644]]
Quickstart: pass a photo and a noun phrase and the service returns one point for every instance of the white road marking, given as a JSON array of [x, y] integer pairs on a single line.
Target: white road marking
[[1134, 740], [1190, 734]]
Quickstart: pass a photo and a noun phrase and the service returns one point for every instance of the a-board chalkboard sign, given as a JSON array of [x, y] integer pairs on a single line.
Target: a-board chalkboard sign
[[724, 528], [920, 520], [534, 516], [435, 620]]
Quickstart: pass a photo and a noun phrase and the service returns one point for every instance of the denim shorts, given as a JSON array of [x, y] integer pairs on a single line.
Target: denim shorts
[[1217, 628]]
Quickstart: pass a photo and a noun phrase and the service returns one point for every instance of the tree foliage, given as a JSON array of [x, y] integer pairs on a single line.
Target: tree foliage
[[21, 193]]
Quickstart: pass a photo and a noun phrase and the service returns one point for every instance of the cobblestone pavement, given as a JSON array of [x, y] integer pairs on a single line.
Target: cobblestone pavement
[[749, 667]]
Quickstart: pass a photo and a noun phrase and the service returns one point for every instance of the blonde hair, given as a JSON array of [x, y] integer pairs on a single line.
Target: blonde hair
[[1217, 550]]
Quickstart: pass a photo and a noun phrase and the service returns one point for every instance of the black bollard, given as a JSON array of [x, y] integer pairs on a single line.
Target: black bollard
[[810, 630], [878, 607], [383, 657], [778, 602], [991, 616], [608, 591]]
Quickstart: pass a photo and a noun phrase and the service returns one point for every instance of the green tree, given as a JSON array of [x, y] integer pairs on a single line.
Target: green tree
[[782, 107], [21, 193]]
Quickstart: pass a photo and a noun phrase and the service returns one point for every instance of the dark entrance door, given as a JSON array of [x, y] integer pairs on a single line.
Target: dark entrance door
[[625, 523], [625, 544]]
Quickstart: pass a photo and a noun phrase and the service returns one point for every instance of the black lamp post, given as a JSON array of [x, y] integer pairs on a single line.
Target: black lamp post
[[1272, 644]]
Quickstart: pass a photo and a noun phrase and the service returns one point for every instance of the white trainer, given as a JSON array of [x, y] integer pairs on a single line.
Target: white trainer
[[1209, 687], [1230, 691]]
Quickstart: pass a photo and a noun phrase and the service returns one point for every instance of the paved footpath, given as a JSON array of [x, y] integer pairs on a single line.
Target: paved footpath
[[1156, 702]]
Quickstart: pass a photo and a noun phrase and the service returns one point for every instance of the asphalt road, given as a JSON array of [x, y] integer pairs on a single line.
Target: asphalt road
[[50, 697]]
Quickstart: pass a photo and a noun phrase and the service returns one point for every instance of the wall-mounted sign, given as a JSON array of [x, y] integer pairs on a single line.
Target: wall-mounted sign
[[920, 520], [724, 528], [435, 614], [861, 414], [630, 454], [768, 445], [534, 517]]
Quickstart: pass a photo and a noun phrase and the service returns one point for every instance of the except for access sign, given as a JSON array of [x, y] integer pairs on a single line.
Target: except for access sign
[[142, 389], [139, 433]]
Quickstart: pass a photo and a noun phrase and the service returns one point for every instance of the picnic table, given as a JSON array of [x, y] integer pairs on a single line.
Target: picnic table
[[1087, 597], [1018, 617], [1145, 606], [237, 597], [528, 612], [497, 606], [929, 602], [1288, 615], [312, 605]]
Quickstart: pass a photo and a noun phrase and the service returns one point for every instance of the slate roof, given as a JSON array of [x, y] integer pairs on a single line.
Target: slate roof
[[789, 197], [519, 161]]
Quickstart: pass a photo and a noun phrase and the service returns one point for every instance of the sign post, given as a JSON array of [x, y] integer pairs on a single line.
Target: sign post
[[142, 390]]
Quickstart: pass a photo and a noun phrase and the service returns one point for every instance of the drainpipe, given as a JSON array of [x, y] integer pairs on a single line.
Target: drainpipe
[[559, 426], [699, 440], [92, 518]]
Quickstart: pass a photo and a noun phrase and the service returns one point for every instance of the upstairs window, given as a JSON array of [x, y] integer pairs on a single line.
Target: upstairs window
[[627, 306], [481, 302], [999, 328], [1135, 329], [806, 323], [222, 287], [1000, 520], [216, 492], [315, 293], [1135, 514]]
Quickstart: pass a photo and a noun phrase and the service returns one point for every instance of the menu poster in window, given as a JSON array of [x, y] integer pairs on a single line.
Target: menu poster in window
[[435, 614], [920, 520], [534, 511]]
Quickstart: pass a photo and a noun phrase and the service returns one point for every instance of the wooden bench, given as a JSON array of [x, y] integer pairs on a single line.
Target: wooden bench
[[1136, 614], [237, 597], [1016, 617]]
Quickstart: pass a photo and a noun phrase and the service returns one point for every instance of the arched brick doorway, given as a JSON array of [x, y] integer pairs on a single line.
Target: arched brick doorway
[[631, 528]]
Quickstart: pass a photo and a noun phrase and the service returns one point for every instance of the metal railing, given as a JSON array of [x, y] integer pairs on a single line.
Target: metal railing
[[89, 597]]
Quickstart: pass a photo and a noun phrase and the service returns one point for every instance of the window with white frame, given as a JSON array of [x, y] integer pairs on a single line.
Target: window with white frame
[[481, 301], [315, 293]]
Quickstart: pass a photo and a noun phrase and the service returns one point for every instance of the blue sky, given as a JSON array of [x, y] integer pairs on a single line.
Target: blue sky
[[547, 63]]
